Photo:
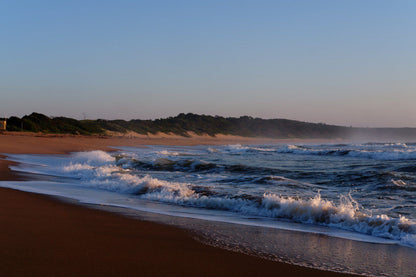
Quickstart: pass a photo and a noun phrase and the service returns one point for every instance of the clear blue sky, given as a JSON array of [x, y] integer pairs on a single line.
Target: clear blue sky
[[339, 62]]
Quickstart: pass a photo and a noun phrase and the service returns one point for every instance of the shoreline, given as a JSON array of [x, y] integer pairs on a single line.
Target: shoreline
[[75, 239], [34, 143]]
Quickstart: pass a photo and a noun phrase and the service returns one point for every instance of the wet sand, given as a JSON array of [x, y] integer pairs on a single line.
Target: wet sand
[[42, 236]]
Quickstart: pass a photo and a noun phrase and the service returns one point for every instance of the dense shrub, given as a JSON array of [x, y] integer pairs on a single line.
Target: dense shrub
[[201, 124]]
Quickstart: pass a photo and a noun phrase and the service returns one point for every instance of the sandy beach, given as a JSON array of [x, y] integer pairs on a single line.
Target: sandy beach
[[43, 236]]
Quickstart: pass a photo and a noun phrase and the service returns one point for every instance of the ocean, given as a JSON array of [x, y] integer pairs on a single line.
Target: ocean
[[340, 207]]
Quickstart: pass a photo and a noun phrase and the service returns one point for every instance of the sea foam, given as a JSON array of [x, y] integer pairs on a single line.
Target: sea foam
[[99, 170], [401, 153], [120, 173]]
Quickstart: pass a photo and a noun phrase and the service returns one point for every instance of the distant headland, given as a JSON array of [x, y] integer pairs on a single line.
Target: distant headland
[[186, 124]]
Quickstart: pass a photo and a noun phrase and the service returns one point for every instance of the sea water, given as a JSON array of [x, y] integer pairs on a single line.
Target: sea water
[[341, 207]]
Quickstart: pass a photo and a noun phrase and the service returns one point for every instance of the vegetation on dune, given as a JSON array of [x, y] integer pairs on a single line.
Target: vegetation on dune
[[37, 122], [182, 124]]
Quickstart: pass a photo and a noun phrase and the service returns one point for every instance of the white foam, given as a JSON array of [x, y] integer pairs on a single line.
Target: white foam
[[239, 149], [395, 152], [99, 170], [346, 215], [168, 153], [94, 158], [399, 183]]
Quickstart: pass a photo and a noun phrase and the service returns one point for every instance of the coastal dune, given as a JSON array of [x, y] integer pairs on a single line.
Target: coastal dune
[[45, 236]]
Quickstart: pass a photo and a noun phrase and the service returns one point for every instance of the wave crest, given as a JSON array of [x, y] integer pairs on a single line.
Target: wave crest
[[403, 153]]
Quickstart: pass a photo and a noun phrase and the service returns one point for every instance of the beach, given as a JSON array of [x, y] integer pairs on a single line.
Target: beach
[[46, 236]]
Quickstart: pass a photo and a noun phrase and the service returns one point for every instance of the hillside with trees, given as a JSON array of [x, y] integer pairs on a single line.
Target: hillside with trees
[[182, 124]]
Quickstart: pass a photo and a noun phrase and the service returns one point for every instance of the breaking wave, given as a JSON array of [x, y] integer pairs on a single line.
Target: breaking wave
[[192, 165], [127, 173], [100, 170], [376, 151], [240, 149], [397, 153]]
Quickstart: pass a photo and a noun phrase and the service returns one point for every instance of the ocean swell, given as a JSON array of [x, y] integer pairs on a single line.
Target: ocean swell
[[367, 153]]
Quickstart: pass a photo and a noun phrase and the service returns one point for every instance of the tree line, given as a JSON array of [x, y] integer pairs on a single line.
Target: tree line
[[200, 124]]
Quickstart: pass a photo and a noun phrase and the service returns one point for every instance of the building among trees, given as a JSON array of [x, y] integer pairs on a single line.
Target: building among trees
[[3, 124]]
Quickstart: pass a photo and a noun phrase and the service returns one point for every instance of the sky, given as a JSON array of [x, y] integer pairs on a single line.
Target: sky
[[350, 63]]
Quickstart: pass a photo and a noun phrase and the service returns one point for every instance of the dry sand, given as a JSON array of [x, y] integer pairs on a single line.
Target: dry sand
[[42, 236]]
